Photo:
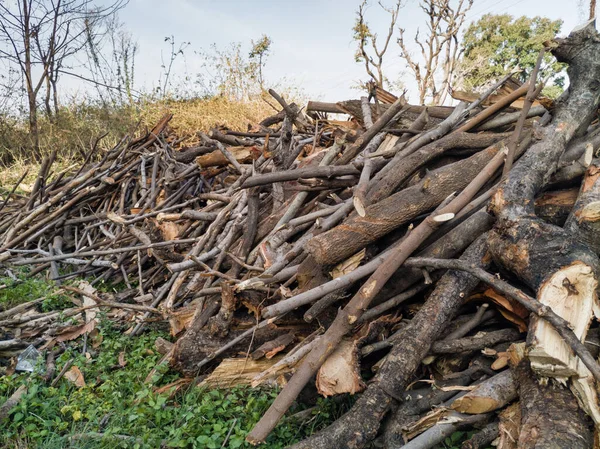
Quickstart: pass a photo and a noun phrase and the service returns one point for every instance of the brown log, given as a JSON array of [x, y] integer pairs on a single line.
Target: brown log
[[216, 157], [277, 344], [389, 214], [550, 415], [353, 107], [360, 425]]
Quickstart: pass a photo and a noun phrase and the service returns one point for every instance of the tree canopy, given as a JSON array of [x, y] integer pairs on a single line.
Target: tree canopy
[[497, 44]]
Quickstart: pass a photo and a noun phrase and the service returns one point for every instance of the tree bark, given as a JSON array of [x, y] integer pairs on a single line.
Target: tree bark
[[360, 425], [550, 415], [389, 214]]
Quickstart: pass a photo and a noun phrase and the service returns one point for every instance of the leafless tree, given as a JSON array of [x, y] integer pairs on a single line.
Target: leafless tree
[[110, 54], [592, 9], [369, 51], [438, 48], [38, 37]]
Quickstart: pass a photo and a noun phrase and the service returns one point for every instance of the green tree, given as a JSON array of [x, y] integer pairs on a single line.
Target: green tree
[[497, 44], [258, 55]]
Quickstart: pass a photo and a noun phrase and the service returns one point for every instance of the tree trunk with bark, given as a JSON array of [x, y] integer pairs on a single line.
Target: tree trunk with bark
[[360, 425]]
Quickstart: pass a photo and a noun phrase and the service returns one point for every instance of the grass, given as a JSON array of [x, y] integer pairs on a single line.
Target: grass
[[17, 291], [116, 409], [79, 125]]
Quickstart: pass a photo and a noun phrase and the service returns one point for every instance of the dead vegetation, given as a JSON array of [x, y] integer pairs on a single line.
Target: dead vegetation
[[308, 249]]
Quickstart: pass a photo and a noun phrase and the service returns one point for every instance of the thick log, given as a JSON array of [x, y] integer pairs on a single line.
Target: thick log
[[584, 221], [360, 425], [550, 415], [555, 263], [404, 167], [389, 214]]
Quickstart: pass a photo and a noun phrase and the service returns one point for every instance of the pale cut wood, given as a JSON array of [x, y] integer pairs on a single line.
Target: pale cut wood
[[490, 395], [238, 372], [571, 294], [341, 372], [584, 388], [510, 423]]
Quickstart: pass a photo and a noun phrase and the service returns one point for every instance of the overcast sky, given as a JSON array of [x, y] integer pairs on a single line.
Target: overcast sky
[[312, 39]]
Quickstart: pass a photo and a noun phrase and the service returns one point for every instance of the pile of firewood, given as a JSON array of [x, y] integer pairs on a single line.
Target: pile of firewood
[[442, 261]]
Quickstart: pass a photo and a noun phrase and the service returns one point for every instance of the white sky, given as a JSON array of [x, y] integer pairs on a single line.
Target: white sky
[[312, 39]]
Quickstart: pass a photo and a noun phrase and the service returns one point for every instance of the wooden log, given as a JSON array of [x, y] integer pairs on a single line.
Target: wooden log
[[389, 214], [477, 342], [353, 107], [360, 425], [550, 415], [492, 394]]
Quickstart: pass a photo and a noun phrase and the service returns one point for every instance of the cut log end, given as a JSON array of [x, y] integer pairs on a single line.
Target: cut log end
[[571, 293], [359, 206]]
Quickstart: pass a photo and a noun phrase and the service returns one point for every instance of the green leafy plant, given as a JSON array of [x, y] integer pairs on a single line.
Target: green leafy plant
[[117, 409]]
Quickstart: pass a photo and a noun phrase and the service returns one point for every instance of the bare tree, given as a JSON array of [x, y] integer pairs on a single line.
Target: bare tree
[[110, 54], [369, 51], [592, 9], [433, 70], [39, 37]]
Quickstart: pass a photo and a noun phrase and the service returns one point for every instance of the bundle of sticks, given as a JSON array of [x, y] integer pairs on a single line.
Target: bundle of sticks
[[335, 251]]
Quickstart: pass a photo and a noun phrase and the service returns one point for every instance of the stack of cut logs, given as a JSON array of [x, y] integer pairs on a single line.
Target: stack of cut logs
[[440, 262]]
